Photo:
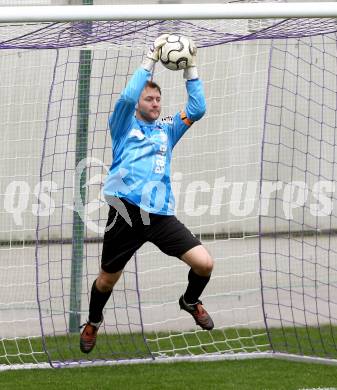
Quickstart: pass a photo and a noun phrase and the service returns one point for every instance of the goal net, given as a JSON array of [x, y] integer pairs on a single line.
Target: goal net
[[254, 179]]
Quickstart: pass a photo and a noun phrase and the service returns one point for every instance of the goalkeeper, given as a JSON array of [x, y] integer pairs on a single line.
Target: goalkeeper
[[138, 191]]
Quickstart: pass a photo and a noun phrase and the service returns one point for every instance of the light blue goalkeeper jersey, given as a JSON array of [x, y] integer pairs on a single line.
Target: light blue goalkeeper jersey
[[140, 171]]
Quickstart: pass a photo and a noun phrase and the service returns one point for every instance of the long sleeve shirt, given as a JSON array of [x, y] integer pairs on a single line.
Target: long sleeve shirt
[[142, 151]]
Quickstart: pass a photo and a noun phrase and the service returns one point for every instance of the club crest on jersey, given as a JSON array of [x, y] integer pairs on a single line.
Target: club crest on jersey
[[136, 133]]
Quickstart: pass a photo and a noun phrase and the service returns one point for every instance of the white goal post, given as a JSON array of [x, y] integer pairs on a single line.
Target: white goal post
[[254, 179]]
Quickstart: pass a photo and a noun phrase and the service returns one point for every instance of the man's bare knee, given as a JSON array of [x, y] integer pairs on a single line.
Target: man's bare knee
[[199, 260], [106, 281], [204, 267]]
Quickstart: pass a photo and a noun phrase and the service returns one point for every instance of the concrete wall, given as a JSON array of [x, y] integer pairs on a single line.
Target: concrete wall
[[223, 151], [225, 145], [216, 167]]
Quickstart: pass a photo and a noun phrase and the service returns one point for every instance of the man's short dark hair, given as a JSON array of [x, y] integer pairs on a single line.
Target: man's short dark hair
[[152, 84]]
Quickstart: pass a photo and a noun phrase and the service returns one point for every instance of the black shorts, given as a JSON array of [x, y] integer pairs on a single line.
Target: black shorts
[[121, 240]]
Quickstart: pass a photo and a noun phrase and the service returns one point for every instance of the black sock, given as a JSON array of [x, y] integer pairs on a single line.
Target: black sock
[[97, 302], [196, 285]]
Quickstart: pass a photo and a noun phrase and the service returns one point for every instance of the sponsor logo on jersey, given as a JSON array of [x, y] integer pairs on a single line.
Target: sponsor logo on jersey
[[159, 135], [167, 119], [163, 137]]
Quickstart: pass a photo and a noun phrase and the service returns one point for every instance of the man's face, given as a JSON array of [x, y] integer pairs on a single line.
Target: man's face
[[149, 105]]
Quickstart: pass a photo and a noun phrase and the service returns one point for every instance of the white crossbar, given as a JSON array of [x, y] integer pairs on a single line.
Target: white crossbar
[[167, 12]]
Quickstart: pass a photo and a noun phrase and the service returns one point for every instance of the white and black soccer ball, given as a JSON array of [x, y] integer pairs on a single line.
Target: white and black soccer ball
[[176, 53]]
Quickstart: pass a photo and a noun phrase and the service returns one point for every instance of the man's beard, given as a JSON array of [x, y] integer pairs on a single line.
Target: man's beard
[[147, 115]]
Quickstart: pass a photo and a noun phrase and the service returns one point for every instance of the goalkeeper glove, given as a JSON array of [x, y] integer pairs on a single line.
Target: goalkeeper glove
[[152, 55], [191, 72]]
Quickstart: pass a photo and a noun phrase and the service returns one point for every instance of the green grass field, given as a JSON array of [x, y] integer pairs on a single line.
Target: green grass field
[[252, 374], [258, 374]]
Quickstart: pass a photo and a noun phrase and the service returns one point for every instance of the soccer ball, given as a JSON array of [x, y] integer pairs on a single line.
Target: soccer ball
[[176, 53]]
